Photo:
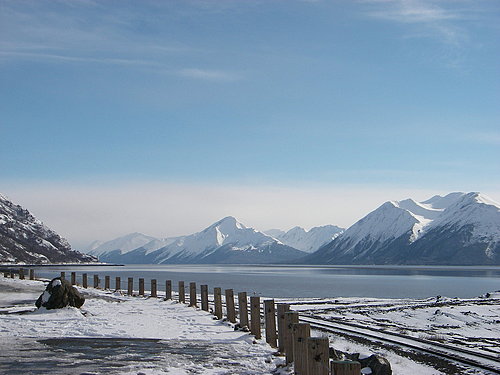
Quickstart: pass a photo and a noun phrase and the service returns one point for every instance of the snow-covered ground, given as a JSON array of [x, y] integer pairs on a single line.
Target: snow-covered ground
[[113, 333]]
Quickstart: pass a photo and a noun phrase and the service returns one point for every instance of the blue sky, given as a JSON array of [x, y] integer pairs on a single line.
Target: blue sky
[[374, 96]]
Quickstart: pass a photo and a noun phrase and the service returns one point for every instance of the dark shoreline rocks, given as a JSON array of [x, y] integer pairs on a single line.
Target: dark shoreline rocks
[[60, 293]]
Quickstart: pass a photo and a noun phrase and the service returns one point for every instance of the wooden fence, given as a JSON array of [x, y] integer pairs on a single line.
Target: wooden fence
[[309, 355]]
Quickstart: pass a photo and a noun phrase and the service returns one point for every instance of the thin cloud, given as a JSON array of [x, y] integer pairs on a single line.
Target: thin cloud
[[209, 75]]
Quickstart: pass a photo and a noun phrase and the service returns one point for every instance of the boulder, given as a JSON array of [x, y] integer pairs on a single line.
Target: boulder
[[59, 293], [378, 364]]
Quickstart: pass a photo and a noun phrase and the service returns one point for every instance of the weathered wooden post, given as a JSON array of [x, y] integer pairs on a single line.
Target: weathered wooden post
[[96, 281], [204, 297], [21, 273], [130, 286], [12, 275], [168, 289], [32, 274], [84, 280], [141, 287], [63, 275], [291, 318], [243, 309], [182, 292], [317, 356], [107, 282], [345, 367], [255, 316], [73, 278], [300, 333], [270, 319], [192, 295], [282, 309], [5, 274], [154, 289], [218, 303], [118, 283], [230, 308]]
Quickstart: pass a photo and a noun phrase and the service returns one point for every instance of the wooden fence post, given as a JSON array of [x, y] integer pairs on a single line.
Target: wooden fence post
[[317, 356], [63, 275], [118, 283], [182, 292], [73, 278], [345, 367], [230, 309], [154, 289], [255, 316], [192, 295], [243, 309], [130, 286], [204, 297], [32, 274], [21, 273], [218, 303], [168, 289], [270, 319], [107, 282], [141, 287], [282, 309], [12, 275], [84, 280], [291, 318], [300, 333], [96, 281]]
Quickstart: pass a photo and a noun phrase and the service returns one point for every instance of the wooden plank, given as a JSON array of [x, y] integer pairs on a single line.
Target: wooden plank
[[230, 308], [255, 316], [317, 356], [141, 286], [182, 292], [192, 295], [282, 309], [291, 318], [204, 297], [154, 288], [300, 333], [243, 309], [270, 319], [130, 286], [168, 289], [218, 303], [345, 367]]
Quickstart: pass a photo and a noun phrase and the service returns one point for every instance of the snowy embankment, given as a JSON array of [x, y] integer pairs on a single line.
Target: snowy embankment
[[149, 336]]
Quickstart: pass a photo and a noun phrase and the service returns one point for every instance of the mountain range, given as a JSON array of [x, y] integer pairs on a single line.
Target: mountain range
[[457, 229], [25, 239]]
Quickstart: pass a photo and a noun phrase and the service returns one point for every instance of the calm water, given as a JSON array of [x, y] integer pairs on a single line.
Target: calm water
[[307, 281]]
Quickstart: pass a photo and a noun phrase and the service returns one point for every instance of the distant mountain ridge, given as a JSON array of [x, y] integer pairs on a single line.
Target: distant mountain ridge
[[308, 241], [457, 229], [226, 241], [25, 239]]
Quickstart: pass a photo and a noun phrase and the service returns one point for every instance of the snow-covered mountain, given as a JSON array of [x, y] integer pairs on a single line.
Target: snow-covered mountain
[[25, 239], [457, 229], [308, 241], [123, 244], [226, 241]]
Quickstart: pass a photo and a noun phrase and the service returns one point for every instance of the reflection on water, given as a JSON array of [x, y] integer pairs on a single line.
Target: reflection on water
[[283, 281]]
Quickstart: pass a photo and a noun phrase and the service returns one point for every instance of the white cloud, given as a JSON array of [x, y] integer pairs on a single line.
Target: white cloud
[[209, 75]]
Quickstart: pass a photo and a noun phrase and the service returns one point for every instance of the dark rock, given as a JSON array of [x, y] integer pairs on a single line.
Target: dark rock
[[379, 365], [59, 293]]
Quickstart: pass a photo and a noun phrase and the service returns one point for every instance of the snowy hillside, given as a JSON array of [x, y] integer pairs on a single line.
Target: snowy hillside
[[226, 241], [308, 241], [458, 228], [124, 244], [25, 239]]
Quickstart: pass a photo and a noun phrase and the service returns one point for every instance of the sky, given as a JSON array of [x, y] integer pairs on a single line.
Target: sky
[[164, 116]]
